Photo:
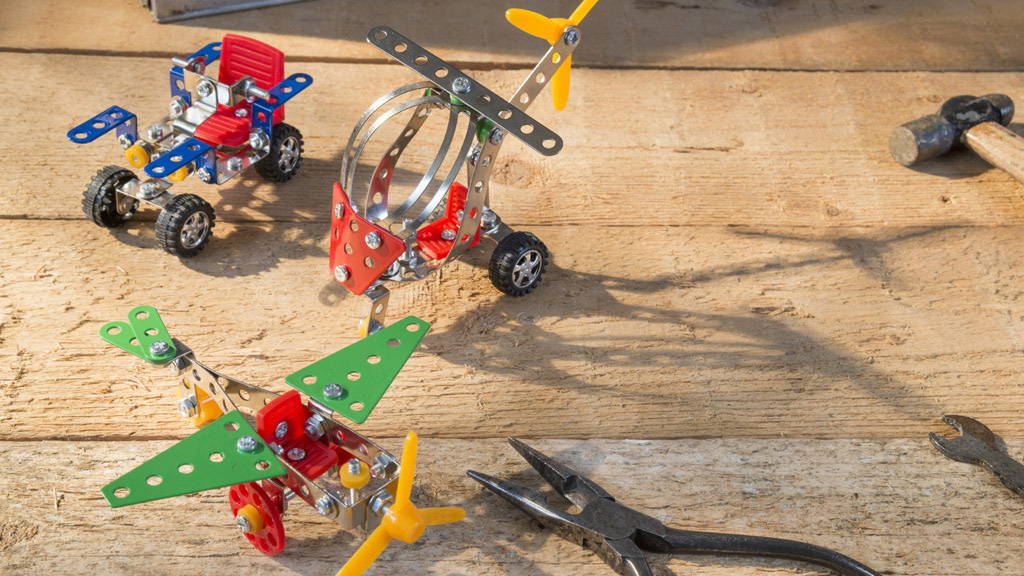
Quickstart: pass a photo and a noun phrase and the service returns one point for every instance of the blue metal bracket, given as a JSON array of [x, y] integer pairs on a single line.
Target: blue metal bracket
[[263, 110], [208, 54], [111, 118], [191, 150]]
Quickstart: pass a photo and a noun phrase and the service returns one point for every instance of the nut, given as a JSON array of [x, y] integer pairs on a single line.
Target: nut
[[187, 406], [258, 140], [315, 426], [235, 164]]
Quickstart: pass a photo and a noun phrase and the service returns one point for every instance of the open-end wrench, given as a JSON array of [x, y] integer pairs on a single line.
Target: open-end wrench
[[980, 446]]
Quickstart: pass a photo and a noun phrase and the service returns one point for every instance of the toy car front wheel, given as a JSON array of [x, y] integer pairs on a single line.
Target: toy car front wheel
[[285, 156], [518, 263], [185, 225], [101, 201]]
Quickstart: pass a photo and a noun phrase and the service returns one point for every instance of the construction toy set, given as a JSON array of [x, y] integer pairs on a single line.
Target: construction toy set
[[272, 448]]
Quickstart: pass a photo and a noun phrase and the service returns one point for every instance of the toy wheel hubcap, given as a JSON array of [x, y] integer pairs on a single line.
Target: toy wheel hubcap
[[195, 229], [288, 155], [527, 268]]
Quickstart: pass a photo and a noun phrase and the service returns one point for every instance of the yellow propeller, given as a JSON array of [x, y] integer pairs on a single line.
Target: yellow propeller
[[403, 521], [551, 29]]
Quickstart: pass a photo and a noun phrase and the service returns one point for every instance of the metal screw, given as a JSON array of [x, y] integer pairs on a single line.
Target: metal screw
[[489, 218], [448, 234], [461, 85], [333, 391], [325, 506], [571, 36], [281, 430], [373, 240], [155, 132], [204, 174], [275, 448], [159, 348], [339, 209], [187, 406], [124, 141], [474, 155], [497, 135], [315, 426], [241, 112], [296, 454], [380, 503], [340, 273], [258, 140], [243, 524], [247, 444], [205, 88], [380, 465], [235, 164], [177, 106], [149, 190]]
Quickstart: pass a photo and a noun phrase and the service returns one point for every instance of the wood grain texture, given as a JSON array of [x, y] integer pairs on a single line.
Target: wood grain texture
[[789, 34], [898, 506], [681, 332], [693, 148]]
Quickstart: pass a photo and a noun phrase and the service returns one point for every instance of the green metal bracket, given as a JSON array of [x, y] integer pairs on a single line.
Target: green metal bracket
[[144, 335], [211, 458], [352, 380]]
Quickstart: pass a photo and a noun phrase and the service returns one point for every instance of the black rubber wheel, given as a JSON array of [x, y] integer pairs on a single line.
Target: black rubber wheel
[[185, 225], [101, 201], [518, 263], [285, 156]]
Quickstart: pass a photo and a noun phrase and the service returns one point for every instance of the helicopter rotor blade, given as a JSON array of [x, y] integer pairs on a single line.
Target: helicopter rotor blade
[[534, 24]]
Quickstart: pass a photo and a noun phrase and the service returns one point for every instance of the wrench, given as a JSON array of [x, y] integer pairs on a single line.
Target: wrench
[[980, 446]]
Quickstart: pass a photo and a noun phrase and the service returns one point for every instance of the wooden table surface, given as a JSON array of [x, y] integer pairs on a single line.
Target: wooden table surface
[[753, 320]]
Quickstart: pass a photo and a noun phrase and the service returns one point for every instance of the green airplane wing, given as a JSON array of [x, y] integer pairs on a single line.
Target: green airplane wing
[[144, 335]]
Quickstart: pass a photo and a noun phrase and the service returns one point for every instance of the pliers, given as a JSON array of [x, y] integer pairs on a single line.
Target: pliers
[[620, 535]]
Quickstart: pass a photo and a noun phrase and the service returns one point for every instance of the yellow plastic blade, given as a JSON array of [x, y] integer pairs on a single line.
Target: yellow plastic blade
[[581, 11], [438, 516], [361, 561], [534, 24], [407, 468], [560, 84]]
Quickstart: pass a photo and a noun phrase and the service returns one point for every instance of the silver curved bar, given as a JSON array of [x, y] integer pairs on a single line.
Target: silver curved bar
[[428, 176], [391, 113], [346, 164], [380, 182], [442, 190]]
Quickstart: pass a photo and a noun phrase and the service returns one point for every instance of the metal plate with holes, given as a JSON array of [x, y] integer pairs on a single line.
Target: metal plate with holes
[[471, 93], [104, 122], [138, 336], [208, 459], [354, 264], [263, 110], [181, 155], [352, 380]]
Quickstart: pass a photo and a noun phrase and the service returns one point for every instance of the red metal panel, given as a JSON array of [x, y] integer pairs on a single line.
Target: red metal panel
[[363, 264]]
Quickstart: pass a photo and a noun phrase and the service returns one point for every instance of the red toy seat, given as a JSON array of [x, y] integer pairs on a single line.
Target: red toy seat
[[429, 239], [241, 57]]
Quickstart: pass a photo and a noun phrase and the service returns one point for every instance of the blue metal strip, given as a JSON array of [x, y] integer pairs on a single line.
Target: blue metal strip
[[178, 85], [181, 155], [263, 110], [111, 118], [209, 53]]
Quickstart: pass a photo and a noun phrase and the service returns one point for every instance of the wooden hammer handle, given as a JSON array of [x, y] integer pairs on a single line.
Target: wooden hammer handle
[[998, 145]]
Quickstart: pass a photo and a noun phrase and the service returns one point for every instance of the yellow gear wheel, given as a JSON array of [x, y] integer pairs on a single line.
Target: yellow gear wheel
[[137, 155], [179, 174]]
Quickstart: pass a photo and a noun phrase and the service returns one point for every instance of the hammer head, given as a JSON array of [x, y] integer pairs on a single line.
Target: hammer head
[[936, 134]]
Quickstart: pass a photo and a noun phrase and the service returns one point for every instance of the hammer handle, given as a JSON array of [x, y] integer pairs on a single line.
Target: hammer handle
[[998, 145]]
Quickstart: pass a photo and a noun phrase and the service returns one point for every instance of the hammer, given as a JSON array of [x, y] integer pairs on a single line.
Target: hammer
[[978, 123]]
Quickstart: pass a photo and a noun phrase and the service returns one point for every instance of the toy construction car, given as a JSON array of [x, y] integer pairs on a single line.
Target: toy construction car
[[215, 129]]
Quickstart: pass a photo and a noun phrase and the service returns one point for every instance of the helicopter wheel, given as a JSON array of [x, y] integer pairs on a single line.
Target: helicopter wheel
[[518, 263], [258, 517]]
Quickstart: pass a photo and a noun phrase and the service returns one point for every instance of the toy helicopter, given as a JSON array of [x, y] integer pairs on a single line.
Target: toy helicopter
[[282, 447], [405, 237], [216, 128]]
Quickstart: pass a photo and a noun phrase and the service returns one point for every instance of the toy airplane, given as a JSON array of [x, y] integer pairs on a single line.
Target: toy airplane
[[216, 128], [401, 238], [272, 448]]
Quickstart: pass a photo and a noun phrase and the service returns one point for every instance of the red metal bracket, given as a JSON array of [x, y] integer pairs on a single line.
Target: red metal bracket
[[361, 264], [430, 239]]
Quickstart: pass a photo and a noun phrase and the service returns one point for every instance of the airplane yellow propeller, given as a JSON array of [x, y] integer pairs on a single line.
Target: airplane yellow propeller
[[403, 521], [551, 29]]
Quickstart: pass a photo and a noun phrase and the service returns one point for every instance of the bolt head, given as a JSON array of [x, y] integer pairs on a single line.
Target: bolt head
[[177, 107], [448, 234], [247, 444], [159, 348], [325, 506], [333, 391], [497, 135], [235, 164], [341, 273], [187, 406], [373, 240], [281, 430], [205, 88], [258, 140], [296, 454], [155, 132], [461, 85], [204, 175], [243, 524], [339, 209], [380, 502], [571, 36], [125, 141], [314, 427]]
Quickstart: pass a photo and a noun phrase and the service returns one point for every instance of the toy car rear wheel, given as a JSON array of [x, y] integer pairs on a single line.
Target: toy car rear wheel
[[285, 156], [269, 538], [101, 201], [185, 225], [518, 263]]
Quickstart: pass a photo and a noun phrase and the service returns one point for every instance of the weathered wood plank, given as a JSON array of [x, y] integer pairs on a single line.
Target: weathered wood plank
[[801, 34], [898, 506], [721, 332], [692, 148]]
